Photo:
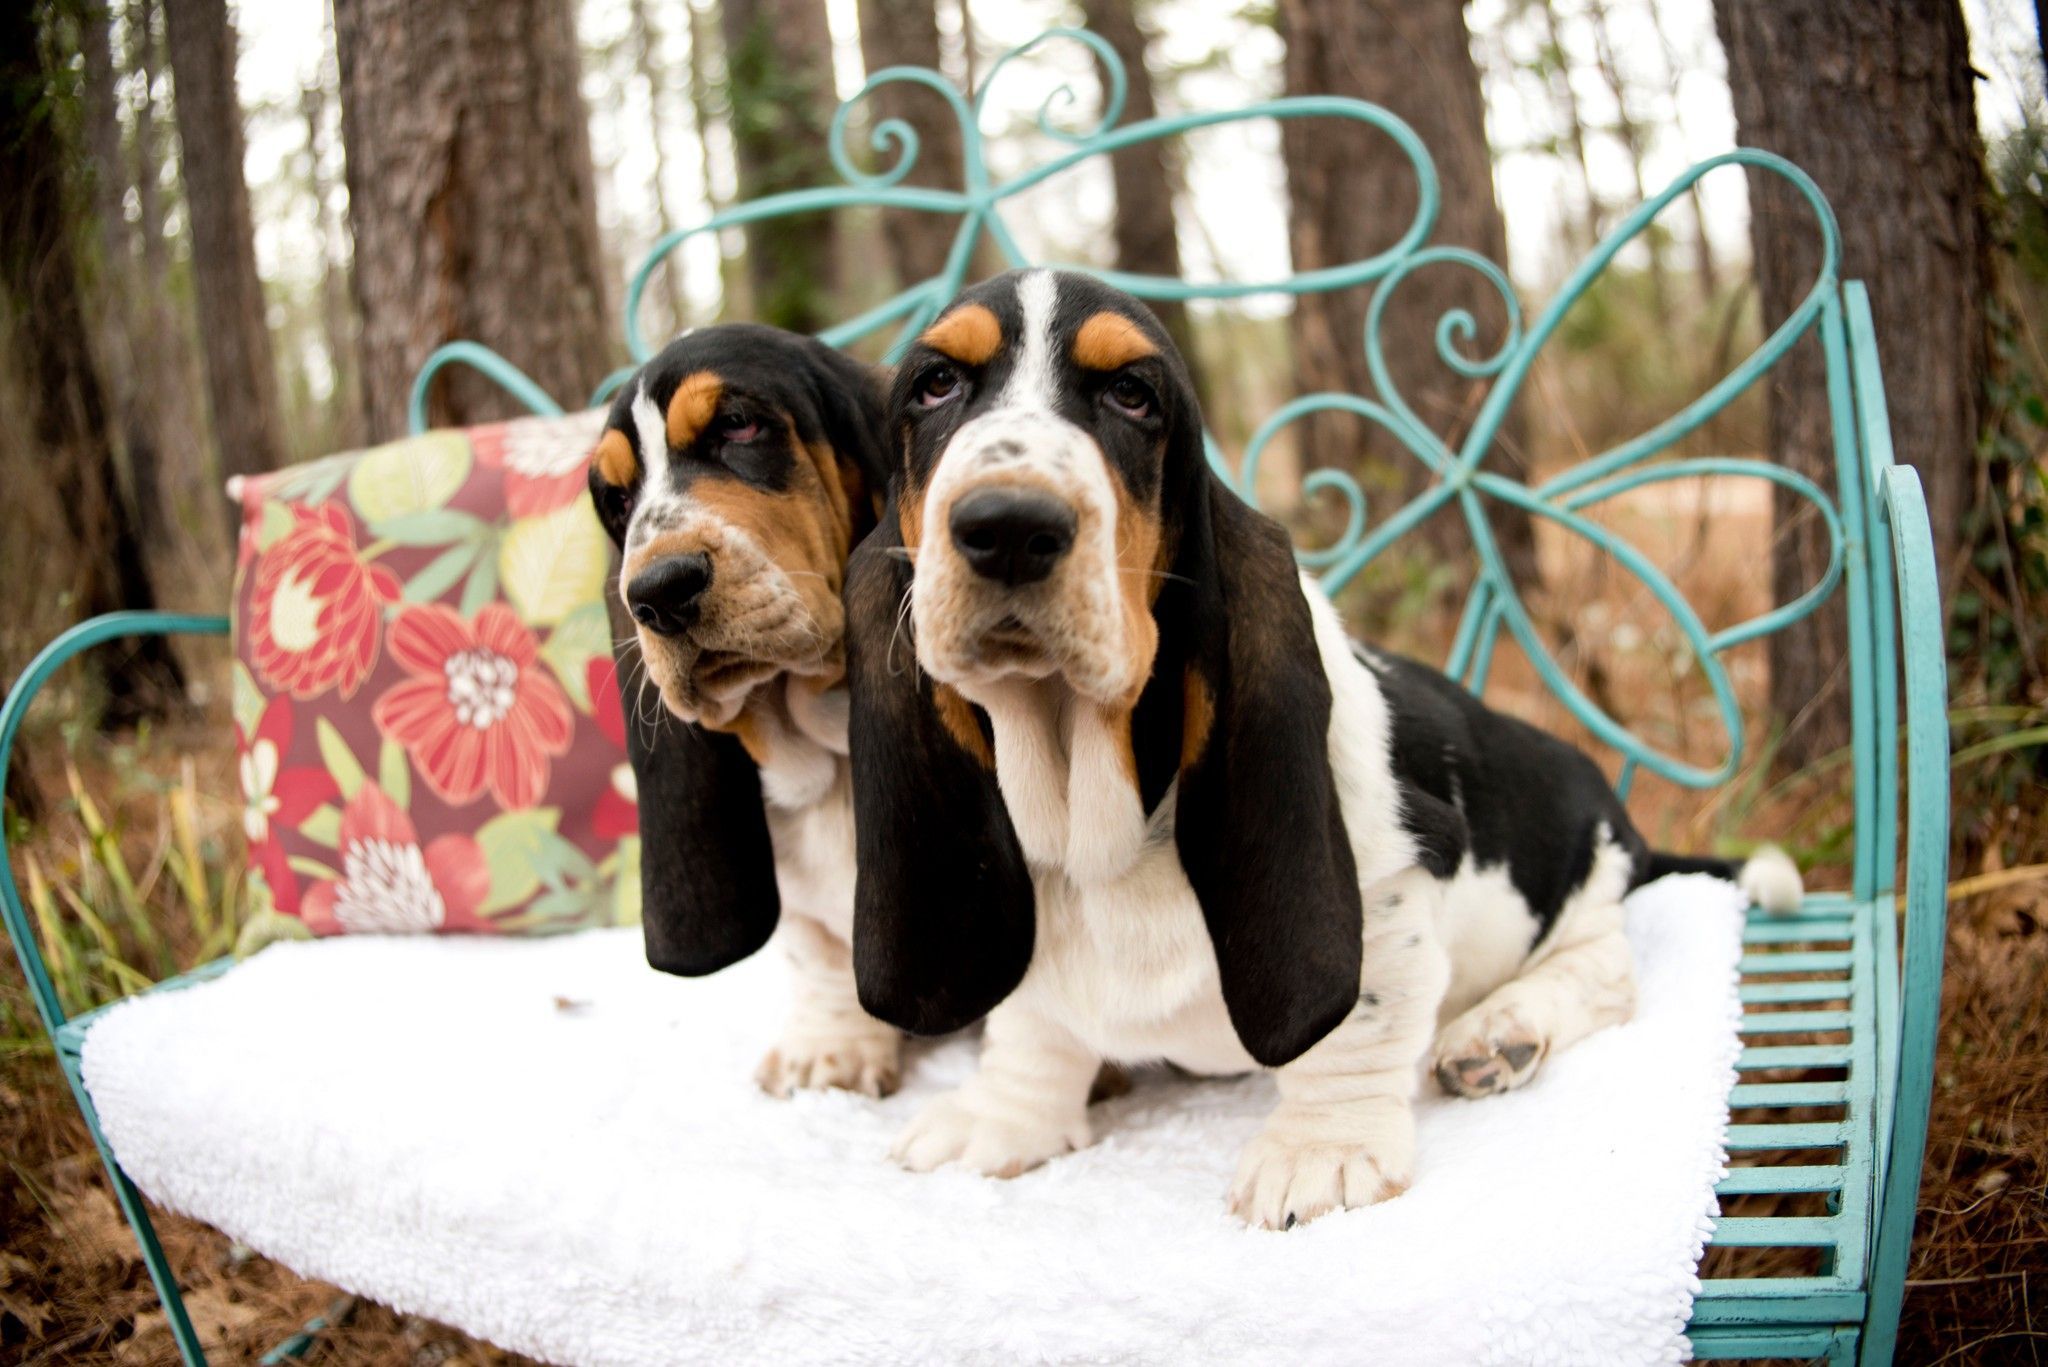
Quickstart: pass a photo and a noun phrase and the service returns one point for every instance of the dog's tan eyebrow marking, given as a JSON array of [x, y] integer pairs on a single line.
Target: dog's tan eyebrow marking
[[616, 464], [1110, 341], [691, 406], [969, 334]]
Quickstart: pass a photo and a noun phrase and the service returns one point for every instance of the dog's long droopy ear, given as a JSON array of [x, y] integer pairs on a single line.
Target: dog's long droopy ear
[[942, 903], [853, 401], [1260, 832], [707, 869]]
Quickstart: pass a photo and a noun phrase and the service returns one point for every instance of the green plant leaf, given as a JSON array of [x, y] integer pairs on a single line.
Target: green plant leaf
[[434, 527], [482, 586], [567, 904], [266, 929], [553, 564], [249, 701], [410, 476], [394, 774], [582, 636], [315, 480], [626, 885], [442, 573], [274, 523], [517, 852], [308, 867], [339, 759], [322, 825]]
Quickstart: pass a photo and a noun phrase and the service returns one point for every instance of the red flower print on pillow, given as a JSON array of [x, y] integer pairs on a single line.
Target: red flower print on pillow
[[389, 883], [617, 813], [315, 608], [271, 793], [546, 461], [478, 710]]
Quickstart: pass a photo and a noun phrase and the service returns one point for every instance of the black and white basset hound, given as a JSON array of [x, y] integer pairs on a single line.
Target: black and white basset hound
[[1122, 783], [736, 471]]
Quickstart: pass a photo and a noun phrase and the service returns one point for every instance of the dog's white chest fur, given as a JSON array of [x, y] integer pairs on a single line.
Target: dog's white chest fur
[[1127, 963], [1125, 960], [807, 792]]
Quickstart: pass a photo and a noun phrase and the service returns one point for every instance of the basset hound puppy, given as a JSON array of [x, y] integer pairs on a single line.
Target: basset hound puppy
[[1122, 783], [736, 471]]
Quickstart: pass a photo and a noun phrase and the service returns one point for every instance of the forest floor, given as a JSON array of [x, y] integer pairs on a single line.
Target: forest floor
[[73, 1289]]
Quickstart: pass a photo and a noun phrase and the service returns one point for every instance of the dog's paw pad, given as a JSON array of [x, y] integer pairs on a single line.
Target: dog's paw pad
[[1481, 1058]]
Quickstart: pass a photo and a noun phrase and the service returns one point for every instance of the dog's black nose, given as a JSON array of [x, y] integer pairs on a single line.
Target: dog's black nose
[[1011, 535], [664, 596]]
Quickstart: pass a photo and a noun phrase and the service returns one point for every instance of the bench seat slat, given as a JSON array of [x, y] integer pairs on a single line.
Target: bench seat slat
[[1781, 1178]]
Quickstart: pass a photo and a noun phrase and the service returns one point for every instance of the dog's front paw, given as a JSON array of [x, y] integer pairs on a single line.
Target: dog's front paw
[[950, 1130], [1487, 1050], [864, 1061], [1282, 1183]]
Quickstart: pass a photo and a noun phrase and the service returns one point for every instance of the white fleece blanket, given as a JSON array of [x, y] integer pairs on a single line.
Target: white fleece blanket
[[551, 1146]]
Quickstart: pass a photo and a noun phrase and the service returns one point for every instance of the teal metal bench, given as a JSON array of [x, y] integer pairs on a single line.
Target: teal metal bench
[[1875, 1003]]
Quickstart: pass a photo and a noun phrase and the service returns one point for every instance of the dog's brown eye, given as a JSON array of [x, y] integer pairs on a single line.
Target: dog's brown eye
[[937, 385], [1131, 396], [738, 427]]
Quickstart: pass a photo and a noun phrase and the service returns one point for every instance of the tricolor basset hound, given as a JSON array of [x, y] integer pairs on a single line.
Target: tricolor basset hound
[[736, 471], [1122, 783]]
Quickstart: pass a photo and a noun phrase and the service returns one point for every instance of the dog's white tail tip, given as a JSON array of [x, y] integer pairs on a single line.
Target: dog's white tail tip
[[1771, 880]]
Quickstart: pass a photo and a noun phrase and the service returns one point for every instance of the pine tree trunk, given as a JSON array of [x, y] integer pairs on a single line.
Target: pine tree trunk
[[337, 314], [67, 408], [1705, 269], [1635, 142], [1875, 102], [103, 127], [145, 41], [1567, 101], [732, 277], [906, 33], [178, 480], [778, 70], [241, 377], [646, 40], [472, 200], [1353, 195], [1146, 178], [116, 300]]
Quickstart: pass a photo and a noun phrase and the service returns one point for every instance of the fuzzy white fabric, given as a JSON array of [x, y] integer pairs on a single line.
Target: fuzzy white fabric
[[549, 1145]]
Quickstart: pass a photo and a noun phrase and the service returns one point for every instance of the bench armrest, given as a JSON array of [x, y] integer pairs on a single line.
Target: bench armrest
[[87, 634], [1925, 897]]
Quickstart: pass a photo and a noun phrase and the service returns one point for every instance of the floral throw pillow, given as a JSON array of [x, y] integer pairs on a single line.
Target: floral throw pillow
[[426, 712]]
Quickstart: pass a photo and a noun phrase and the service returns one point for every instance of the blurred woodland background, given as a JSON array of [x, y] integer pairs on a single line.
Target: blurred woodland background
[[229, 234]]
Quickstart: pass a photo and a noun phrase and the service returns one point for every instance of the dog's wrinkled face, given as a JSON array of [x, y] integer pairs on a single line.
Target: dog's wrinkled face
[[1036, 415], [718, 479]]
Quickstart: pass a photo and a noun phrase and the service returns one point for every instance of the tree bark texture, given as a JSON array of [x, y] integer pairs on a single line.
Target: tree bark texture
[[646, 40], [906, 33], [1875, 101], [1353, 195], [472, 200], [241, 376], [1146, 178], [47, 330], [121, 310], [778, 66]]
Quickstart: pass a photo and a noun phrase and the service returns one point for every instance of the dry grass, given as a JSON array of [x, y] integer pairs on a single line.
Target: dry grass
[[72, 1289], [1978, 1288]]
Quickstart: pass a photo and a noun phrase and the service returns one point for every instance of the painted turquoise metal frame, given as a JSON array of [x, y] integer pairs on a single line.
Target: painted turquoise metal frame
[[1833, 973]]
